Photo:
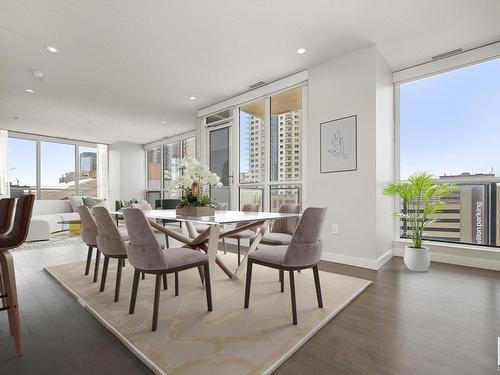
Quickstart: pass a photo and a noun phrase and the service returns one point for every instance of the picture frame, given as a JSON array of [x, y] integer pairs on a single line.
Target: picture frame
[[339, 145]]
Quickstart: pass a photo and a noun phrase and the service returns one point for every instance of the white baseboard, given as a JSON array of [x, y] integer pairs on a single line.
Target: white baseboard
[[372, 264], [459, 260]]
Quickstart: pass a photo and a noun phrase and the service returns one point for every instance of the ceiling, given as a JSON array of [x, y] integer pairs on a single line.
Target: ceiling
[[126, 66]]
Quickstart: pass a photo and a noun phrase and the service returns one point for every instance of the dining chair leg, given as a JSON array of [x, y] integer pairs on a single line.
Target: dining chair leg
[[318, 286], [167, 244], [248, 283], [118, 279], [133, 297], [124, 262], [224, 245], [177, 283], [282, 280], [165, 282], [104, 273], [202, 275], [2, 292], [292, 293], [156, 305], [208, 287], [143, 276], [10, 289], [89, 259], [239, 252], [96, 269]]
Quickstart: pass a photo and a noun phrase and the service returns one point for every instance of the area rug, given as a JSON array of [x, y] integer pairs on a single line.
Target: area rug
[[56, 239], [228, 340]]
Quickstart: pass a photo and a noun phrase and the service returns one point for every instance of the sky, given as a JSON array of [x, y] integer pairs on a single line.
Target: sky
[[57, 159], [450, 122]]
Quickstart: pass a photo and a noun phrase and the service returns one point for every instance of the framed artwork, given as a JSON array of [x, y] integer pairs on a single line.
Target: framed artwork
[[338, 145]]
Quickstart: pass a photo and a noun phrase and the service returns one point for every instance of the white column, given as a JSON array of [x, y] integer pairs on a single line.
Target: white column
[[102, 171], [4, 167]]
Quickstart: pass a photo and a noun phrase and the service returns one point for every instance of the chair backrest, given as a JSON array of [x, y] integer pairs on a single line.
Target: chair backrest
[[306, 246], [143, 206], [166, 204], [249, 207], [21, 224], [89, 227], [7, 209], [109, 239], [221, 206], [143, 251], [289, 225]]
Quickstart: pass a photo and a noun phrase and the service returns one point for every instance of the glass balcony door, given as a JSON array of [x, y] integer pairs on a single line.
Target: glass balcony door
[[219, 139]]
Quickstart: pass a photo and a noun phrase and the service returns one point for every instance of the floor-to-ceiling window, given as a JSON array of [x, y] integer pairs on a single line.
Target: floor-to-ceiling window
[[22, 164], [162, 167], [58, 178], [286, 150], [252, 134], [449, 125], [266, 149], [87, 160], [51, 169]]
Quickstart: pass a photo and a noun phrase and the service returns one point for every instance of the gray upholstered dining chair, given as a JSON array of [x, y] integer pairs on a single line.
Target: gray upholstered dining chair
[[282, 230], [146, 255], [303, 252], [145, 206], [89, 237], [249, 233], [111, 244]]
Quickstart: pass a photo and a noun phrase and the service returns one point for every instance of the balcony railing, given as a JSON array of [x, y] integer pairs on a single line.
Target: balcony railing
[[471, 215]]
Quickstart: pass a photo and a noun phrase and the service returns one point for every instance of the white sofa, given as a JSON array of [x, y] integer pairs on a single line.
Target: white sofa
[[46, 217]]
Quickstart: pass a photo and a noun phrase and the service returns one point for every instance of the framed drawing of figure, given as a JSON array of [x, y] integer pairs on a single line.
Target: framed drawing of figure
[[338, 145]]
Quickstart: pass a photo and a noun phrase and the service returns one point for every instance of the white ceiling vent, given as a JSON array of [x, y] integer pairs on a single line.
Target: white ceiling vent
[[257, 84]]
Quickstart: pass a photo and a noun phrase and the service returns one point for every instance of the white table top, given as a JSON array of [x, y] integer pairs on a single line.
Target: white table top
[[220, 217]]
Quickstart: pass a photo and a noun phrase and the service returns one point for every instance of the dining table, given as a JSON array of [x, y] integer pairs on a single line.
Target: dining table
[[259, 221]]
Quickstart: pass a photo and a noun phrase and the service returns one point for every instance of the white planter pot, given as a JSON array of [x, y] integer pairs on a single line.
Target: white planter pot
[[417, 259]]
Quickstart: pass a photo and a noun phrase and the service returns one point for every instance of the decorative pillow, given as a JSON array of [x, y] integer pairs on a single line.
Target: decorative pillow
[[91, 201], [75, 201]]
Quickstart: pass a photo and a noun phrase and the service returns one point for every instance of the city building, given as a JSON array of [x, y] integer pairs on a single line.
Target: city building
[[256, 141], [88, 164]]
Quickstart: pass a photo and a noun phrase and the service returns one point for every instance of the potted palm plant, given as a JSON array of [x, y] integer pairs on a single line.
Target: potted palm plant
[[193, 180], [421, 196]]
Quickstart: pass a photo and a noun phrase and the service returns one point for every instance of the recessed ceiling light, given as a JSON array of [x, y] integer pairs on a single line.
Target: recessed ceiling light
[[192, 98], [29, 91], [164, 122], [38, 73], [52, 49], [301, 51]]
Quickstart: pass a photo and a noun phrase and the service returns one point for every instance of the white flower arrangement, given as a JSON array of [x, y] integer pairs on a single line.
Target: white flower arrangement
[[193, 178]]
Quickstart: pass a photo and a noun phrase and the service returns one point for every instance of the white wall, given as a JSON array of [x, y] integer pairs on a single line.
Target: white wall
[[126, 172], [357, 84]]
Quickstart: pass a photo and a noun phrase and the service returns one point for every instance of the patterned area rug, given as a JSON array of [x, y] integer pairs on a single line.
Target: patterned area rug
[[56, 240], [228, 340], [65, 238]]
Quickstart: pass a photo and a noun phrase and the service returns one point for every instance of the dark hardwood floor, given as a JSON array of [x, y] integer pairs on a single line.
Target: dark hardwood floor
[[445, 321]]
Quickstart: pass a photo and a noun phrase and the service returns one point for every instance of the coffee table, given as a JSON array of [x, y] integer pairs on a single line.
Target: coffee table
[[74, 226]]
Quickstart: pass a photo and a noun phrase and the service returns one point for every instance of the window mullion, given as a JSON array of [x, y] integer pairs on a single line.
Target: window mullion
[[38, 171], [77, 170], [267, 154]]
